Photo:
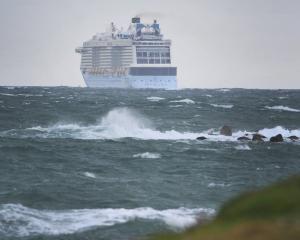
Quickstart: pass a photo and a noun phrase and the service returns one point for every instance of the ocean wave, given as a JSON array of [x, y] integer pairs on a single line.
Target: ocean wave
[[8, 94], [222, 105], [89, 174], [147, 155], [155, 99], [176, 106], [224, 90], [212, 185], [270, 132], [21, 94], [186, 100], [282, 108], [128, 123], [18, 220], [283, 97], [242, 147]]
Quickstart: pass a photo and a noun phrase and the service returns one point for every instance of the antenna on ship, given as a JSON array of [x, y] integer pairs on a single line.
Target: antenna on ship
[[156, 28]]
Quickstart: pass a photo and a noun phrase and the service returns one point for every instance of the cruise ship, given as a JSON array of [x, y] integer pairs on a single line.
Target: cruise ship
[[137, 58]]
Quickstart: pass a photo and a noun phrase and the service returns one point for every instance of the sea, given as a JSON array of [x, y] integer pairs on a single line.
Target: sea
[[85, 164]]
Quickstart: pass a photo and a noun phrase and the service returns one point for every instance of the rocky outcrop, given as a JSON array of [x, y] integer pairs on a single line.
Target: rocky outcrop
[[258, 137], [293, 138], [226, 131], [201, 138], [277, 138], [244, 138]]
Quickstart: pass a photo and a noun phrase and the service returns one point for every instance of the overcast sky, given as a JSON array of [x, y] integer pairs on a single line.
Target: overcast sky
[[216, 43]]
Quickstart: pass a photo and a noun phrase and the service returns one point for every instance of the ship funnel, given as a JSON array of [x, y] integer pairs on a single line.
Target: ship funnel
[[136, 20]]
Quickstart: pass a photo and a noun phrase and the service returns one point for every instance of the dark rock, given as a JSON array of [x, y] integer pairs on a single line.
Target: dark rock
[[277, 138], [244, 138], [201, 138], [258, 137], [293, 138], [226, 131]]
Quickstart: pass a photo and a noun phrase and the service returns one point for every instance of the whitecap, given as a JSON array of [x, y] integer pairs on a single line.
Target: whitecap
[[89, 174], [282, 108], [24, 221], [186, 100], [222, 105], [270, 132], [30, 95], [8, 94], [175, 106], [223, 90], [283, 97], [242, 147], [212, 185], [10, 87], [147, 155], [128, 123], [155, 99]]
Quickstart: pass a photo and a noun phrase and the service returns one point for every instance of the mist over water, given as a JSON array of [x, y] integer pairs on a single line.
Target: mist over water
[[82, 163]]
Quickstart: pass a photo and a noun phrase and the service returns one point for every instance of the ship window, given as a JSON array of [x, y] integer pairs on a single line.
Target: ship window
[[168, 54], [157, 61], [156, 54], [144, 54], [151, 60], [168, 61], [139, 54], [163, 61]]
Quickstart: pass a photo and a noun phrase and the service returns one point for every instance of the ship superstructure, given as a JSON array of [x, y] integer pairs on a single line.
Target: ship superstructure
[[136, 58]]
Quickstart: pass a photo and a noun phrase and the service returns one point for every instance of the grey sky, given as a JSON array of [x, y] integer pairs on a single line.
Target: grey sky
[[216, 43]]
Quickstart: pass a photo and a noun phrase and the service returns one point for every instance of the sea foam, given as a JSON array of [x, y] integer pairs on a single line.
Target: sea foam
[[147, 155], [186, 100], [128, 123], [242, 147], [17, 220], [222, 105], [282, 108], [155, 99], [89, 174], [270, 132]]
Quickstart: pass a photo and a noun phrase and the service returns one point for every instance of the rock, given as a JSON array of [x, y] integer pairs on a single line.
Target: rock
[[244, 138], [226, 131], [201, 138], [258, 137], [277, 138], [293, 138]]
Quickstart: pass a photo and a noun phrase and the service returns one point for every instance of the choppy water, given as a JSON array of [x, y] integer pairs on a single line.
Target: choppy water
[[81, 163]]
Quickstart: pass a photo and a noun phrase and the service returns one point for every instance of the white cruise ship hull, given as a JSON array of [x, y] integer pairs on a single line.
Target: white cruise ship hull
[[129, 81]]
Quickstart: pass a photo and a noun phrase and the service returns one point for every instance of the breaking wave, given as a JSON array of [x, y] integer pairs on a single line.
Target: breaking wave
[[147, 155], [89, 174], [188, 101], [128, 123], [270, 132], [213, 185], [242, 147], [18, 220], [155, 99], [222, 105], [283, 108]]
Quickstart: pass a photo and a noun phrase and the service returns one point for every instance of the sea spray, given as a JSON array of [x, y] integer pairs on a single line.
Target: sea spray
[[18, 220]]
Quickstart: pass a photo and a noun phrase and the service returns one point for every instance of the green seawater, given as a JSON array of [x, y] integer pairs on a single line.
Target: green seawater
[[79, 163]]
